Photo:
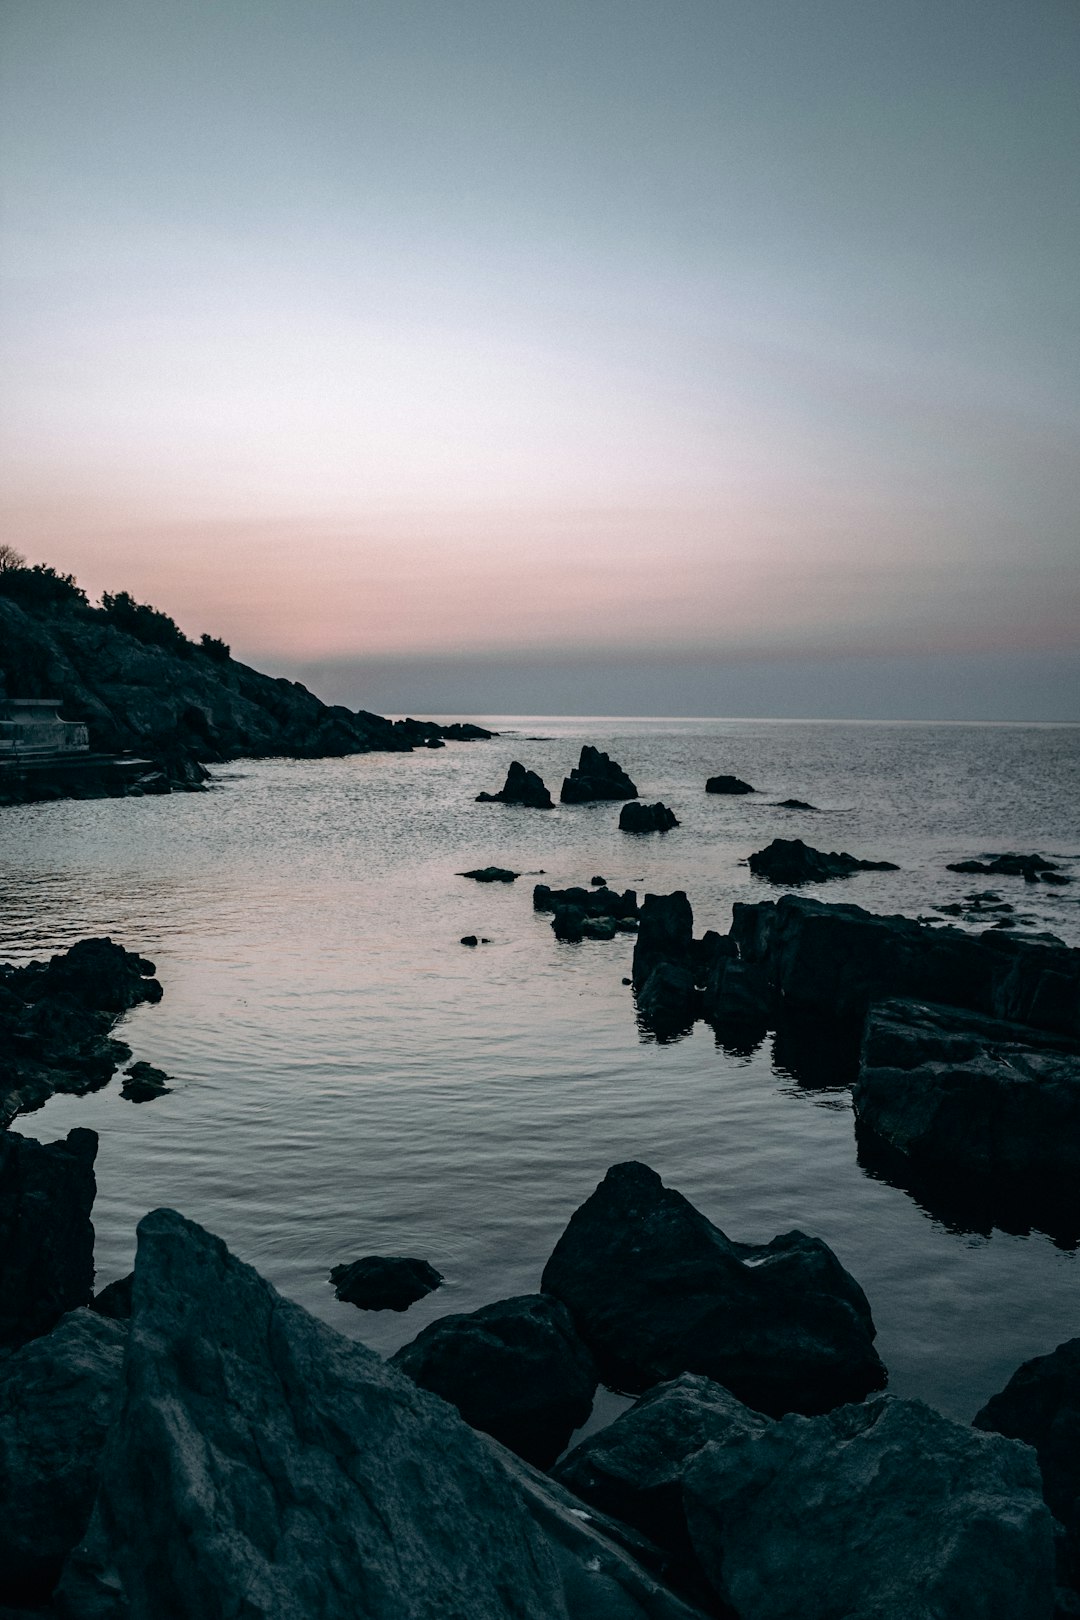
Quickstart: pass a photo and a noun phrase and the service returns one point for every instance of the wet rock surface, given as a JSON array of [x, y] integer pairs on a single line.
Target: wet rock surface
[[596, 776], [46, 1236], [879, 1511], [515, 1369], [790, 860], [58, 1395], [646, 818], [656, 1290], [728, 784], [521, 787], [384, 1282]]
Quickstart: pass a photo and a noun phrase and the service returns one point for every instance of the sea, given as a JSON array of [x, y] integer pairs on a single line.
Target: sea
[[349, 1079]]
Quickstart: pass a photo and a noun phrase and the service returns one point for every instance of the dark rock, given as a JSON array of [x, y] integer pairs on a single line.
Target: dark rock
[[274, 1467], [384, 1282], [521, 787], [46, 1236], [602, 902], [515, 1369], [491, 874], [599, 927], [727, 784], [596, 776], [466, 731], [972, 1097], [469, 939], [95, 972], [665, 934], [1040, 1405], [881, 1511], [708, 952], [1030, 867], [668, 1002], [794, 804], [114, 1300], [568, 924], [832, 961], [738, 993], [646, 818], [144, 1083], [633, 1470], [598, 882], [58, 1396], [656, 1290], [789, 860]]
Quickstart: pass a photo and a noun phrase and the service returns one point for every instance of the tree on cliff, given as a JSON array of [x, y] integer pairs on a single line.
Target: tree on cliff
[[10, 558]]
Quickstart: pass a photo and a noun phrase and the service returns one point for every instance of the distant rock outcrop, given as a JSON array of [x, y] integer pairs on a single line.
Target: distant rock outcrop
[[521, 787], [1030, 867], [646, 818], [728, 784], [596, 776], [491, 874], [789, 860]]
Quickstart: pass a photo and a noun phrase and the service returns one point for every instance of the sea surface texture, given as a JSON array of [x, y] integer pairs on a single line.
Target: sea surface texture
[[348, 1079]]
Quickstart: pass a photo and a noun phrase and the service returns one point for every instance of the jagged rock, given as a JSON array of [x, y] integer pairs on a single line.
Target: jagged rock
[[491, 874], [58, 1395], [668, 1002], [144, 1083], [596, 902], [634, 1468], [794, 804], [1040, 1405], [881, 1511], [737, 993], [46, 1237], [789, 860], [646, 818], [385, 1282], [656, 1290], [831, 961], [515, 1369], [521, 787], [665, 934], [596, 776], [294, 1473], [968, 1096], [97, 973], [727, 784], [114, 1300], [1030, 867]]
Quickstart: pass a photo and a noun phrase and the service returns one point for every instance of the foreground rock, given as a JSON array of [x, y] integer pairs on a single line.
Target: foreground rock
[[385, 1282], [1040, 1405], [515, 1369], [728, 784], [656, 1290], [57, 1399], [969, 1096], [46, 1236], [521, 787], [596, 776], [789, 860], [664, 964], [294, 1473], [647, 818], [57, 1017], [882, 1511], [491, 874], [1030, 867], [832, 961]]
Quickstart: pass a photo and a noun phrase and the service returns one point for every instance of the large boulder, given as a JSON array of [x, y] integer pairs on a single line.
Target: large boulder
[[58, 1396], [832, 961], [596, 776], [879, 1511], [728, 784], [46, 1236], [656, 1290], [963, 1095], [789, 860], [522, 787], [646, 818], [515, 1369], [665, 934], [1041, 1406], [261, 1464]]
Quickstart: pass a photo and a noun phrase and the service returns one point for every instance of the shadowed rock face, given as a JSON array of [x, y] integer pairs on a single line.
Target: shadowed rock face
[[789, 860], [882, 1511], [58, 1395], [656, 1290], [385, 1282], [515, 1369], [647, 818], [596, 776], [521, 787], [46, 1237]]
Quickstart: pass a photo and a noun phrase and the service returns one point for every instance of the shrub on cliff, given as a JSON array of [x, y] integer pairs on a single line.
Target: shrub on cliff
[[40, 586], [147, 624], [215, 648]]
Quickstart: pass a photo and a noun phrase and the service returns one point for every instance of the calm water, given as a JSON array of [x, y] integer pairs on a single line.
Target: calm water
[[349, 1079]]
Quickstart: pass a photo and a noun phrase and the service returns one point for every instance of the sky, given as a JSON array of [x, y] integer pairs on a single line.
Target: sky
[[466, 348]]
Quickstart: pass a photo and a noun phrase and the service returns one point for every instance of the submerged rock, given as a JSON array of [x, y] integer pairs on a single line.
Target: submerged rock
[[596, 776], [521, 787], [728, 784], [491, 874], [879, 1511], [656, 1290], [144, 1083], [789, 860], [1030, 867], [58, 1395], [646, 818], [46, 1236], [794, 804], [384, 1282], [515, 1369]]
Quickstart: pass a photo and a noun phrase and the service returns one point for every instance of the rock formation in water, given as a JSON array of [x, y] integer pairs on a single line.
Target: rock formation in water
[[46, 1237], [596, 776], [789, 860], [521, 787], [1031, 868], [491, 874], [728, 784], [385, 1282], [646, 818], [656, 1290]]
